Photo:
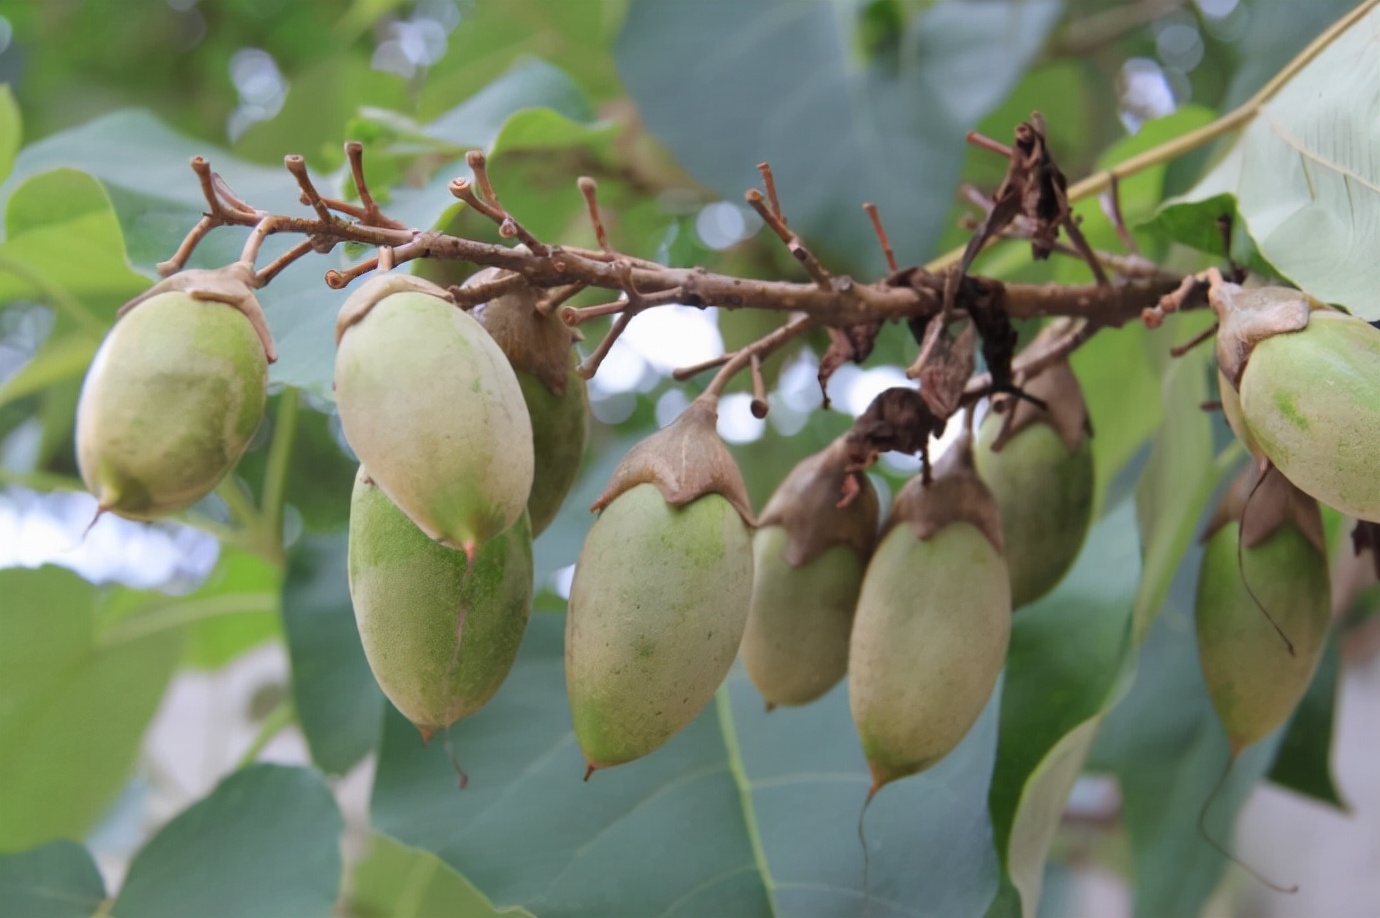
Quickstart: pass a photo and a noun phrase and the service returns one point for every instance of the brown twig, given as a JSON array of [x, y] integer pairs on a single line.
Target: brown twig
[[759, 388], [590, 365], [769, 180], [508, 226], [882, 239], [793, 244], [590, 190], [760, 348]]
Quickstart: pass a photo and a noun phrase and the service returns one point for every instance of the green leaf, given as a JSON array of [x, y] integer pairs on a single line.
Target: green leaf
[[761, 809], [56, 880], [61, 358], [730, 83], [265, 842], [1122, 392], [338, 703], [320, 475], [11, 130], [398, 881], [1177, 480], [1067, 653], [75, 699], [1304, 761], [235, 610], [1305, 176]]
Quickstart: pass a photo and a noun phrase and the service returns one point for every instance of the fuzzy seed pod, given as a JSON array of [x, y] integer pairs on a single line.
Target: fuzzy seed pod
[[933, 622], [431, 407], [1253, 679], [809, 554], [538, 346], [173, 395], [1306, 379], [439, 632], [661, 590], [1042, 479]]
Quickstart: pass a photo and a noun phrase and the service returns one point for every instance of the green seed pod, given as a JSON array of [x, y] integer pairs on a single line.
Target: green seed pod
[[173, 395], [933, 622], [808, 554], [439, 632], [1039, 466], [1254, 680], [537, 344], [429, 404], [1306, 379], [661, 590]]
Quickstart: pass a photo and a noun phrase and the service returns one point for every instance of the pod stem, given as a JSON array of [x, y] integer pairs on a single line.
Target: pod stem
[[461, 778], [1241, 560], [1221, 849]]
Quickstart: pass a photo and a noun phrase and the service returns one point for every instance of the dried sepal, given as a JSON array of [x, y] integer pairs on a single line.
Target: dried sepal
[[375, 289], [536, 342], [233, 285], [684, 460], [810, 505], [1065, 410], [956, 495], [1247, 316], [1263, 504]]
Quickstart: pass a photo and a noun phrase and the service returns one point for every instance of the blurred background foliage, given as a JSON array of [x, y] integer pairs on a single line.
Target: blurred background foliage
[[670, 104]]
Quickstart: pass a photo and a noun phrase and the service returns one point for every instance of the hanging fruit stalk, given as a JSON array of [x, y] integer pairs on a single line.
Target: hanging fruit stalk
[[809, 553]]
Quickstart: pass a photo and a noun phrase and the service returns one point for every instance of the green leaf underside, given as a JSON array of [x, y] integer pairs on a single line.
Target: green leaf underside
[[1304, 762], [74, 702], [265, 842], [782, 78], [56, 880], [1305, 176], [594, 848]]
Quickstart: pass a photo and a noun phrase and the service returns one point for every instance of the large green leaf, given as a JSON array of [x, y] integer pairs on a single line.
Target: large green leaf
[[338, 703], [265, 842], [743, 813], [1067, 652], [398, 881], [1304, 762], [1305, 173], [11, 130], [75, 698], [234, 610], [729, 83], [56, 880]]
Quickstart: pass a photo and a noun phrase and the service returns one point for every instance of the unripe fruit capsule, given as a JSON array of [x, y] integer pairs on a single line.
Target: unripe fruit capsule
[[169, 404], [439, 632], [431, 407]]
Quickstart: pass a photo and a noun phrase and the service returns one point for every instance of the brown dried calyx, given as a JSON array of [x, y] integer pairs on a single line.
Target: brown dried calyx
[[821, 503], [1263, 505], [684, 460], [1066, 411], [536, 342], [955, 495], [233, 285], [1247, 316]]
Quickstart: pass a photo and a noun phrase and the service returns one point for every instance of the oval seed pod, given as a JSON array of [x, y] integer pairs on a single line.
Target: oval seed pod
[[430, 406], [1254, 681], [1038, 465], [809, 553], [174, 394], [439, 632], [1305, 379], [933, 622], [660, 594], [538, 345]]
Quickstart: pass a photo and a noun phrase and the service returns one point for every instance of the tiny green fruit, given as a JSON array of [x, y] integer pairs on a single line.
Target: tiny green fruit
[[431, 407], [440, 632], [1042, 479], [1255, 678], [809, 554], [170, 401], [933, 623], [660, 595]]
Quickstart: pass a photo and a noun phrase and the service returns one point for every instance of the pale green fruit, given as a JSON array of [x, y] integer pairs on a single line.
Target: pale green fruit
[[431, 407], [1045, 493], [439, 632], [169, 404], [1231, 410], [560, 426], [1254, 682], [795, 647], [657, 610], [929, 641], [1311, 401]]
